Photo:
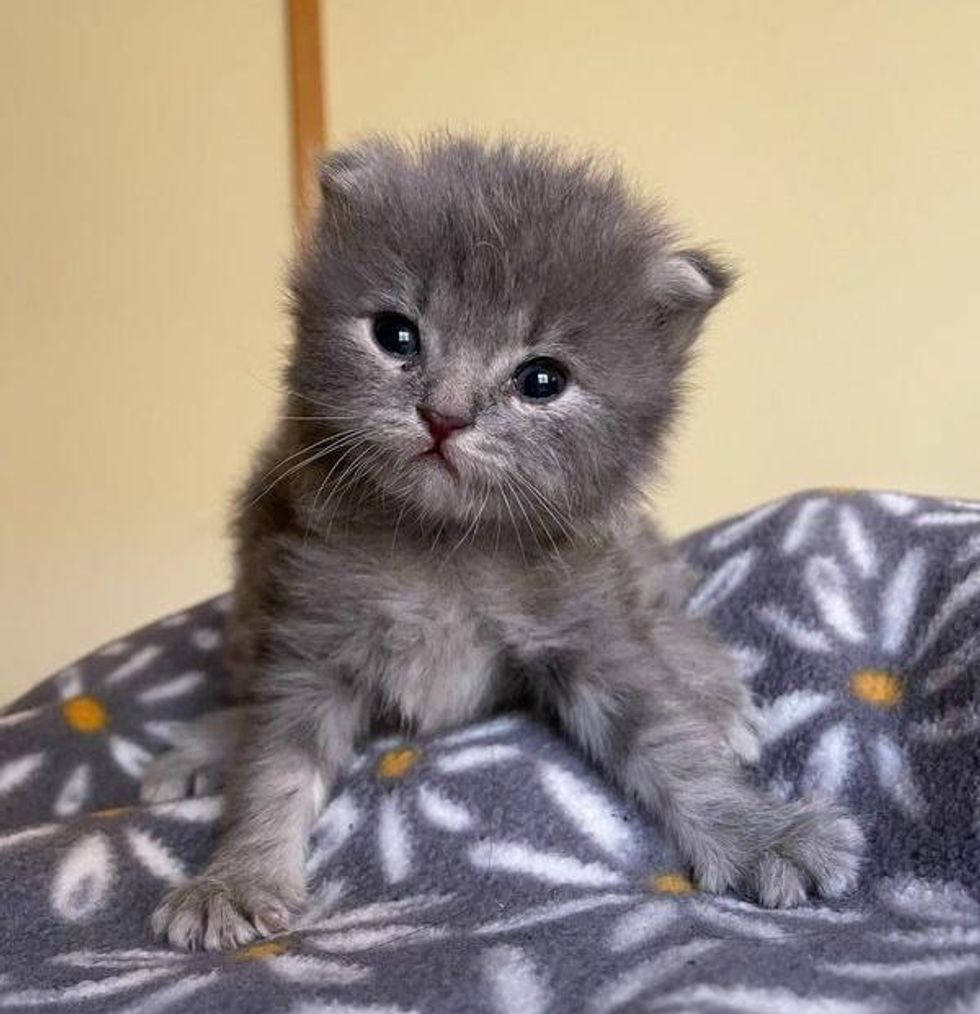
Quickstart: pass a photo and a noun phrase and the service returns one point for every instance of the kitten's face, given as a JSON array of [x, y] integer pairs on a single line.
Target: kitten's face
[[500, 331]]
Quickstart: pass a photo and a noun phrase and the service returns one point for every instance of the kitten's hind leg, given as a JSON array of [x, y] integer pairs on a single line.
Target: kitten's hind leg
[[196, 764]]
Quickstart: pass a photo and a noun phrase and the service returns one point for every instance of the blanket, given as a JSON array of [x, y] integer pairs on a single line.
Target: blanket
[[489, 869]]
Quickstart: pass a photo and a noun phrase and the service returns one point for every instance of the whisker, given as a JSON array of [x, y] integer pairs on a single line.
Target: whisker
[[520, 504], [435, 541], [346, 479], [552, 512], [303, 450], [367, 476], [472, 526], [351, 448], [513, 521], [398, 522], [307, 397], [324, 450], [319, 418]]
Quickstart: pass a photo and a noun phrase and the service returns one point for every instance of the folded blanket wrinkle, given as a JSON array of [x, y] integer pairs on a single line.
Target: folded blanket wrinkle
[[490, 869]]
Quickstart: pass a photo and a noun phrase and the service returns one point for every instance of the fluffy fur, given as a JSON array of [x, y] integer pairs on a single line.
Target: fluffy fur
[[380, 585]]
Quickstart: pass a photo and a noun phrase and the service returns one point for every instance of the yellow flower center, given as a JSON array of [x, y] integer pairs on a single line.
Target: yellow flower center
[[877, 687], [85, 714], [397, 763], [671, 883], [262, 950]]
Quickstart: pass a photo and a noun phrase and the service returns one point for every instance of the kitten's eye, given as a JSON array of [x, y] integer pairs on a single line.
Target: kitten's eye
[[397, 335], [540, 379]]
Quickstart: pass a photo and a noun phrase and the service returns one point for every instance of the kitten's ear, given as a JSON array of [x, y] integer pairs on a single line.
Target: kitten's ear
[[345, 174], [687, 284], [692, 281]]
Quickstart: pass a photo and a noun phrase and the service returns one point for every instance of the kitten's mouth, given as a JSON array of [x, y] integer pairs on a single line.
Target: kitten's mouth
[[435, 455]]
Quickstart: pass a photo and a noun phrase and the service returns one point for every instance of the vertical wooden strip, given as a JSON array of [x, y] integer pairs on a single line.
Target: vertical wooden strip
[[309, 128]]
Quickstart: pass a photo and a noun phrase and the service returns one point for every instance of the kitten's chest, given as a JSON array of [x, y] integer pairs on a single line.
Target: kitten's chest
[[444, 661]]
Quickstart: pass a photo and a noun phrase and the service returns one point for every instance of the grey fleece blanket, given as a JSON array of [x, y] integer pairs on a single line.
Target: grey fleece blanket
[[489, 870]]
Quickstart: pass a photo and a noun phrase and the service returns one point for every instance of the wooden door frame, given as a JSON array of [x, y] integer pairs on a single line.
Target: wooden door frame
[[308, 104]]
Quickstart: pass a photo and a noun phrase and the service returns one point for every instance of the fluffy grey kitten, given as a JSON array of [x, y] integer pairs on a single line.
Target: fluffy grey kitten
[[448, 520]]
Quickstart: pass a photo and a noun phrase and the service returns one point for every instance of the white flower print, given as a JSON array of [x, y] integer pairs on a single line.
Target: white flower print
[[318, 953], [840, 618], [406, 798], [86, 876]]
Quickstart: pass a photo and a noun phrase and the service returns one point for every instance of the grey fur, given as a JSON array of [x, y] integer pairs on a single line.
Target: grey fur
[[377, 588]]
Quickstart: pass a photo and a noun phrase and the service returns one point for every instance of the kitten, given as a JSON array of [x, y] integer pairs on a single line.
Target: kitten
[[448, 520]]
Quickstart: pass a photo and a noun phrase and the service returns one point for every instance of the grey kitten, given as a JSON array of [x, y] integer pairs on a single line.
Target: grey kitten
[[448, 520]]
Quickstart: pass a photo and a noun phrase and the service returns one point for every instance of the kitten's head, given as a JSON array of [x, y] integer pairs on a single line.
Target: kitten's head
[[493, 330]]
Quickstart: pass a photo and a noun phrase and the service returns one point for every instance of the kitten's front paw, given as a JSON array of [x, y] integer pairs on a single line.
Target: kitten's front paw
[[817, 851], [820, 851], [221, 913]]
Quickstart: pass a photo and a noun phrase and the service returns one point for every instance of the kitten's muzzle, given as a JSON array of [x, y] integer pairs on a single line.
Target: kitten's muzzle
[[441, 427]]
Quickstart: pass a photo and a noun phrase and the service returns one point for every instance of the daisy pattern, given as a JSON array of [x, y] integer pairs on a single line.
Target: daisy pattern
[[492, 869], [949, 655], [856, 617], [413, 784], [112, 712], [331, 949], [86, 874], [591, 818], [631, 900], [90, 716]]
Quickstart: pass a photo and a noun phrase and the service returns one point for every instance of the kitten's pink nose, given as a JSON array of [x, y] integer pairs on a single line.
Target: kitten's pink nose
[[442, 426]]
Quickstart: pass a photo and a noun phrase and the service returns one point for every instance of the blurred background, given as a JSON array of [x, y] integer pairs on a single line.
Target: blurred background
[[831, 150]]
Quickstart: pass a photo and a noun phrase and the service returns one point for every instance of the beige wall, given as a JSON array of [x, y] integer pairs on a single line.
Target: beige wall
[[831, 148], [144, 185]]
